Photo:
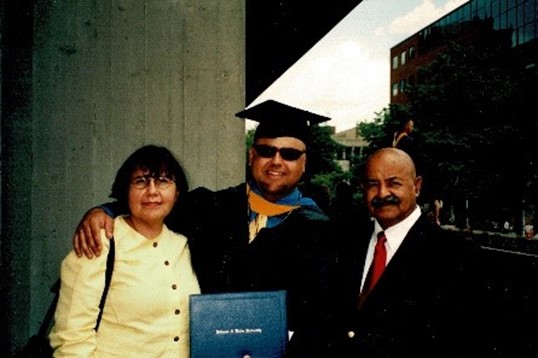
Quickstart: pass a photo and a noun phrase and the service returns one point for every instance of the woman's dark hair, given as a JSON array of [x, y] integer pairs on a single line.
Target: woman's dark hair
[[158, 161]]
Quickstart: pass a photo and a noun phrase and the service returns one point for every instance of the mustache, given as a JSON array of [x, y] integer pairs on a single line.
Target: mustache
[[389, 200]]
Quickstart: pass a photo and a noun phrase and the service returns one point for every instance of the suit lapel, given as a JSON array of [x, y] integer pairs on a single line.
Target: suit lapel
[[399, 267]]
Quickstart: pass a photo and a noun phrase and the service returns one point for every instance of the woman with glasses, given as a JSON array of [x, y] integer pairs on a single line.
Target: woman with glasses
[[146, 309]]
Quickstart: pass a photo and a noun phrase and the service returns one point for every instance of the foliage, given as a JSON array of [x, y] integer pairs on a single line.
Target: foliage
[[249, 140], [483, 138], [321, 152], [470, 118], [379, 133]]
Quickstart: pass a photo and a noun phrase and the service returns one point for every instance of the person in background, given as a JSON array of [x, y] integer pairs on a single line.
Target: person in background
[[437, 206], [403, 138], [403, 288], [260, 235], [147, 306], [529, 232], [507, 227], [432, 209]]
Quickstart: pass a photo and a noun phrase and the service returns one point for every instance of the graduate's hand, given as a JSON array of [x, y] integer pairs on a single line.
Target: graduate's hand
[[87, 238]]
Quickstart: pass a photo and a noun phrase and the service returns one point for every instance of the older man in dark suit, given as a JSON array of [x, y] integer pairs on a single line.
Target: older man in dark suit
[[403, 288]]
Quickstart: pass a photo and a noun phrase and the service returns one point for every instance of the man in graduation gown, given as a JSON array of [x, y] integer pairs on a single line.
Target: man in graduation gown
[[262, 234]]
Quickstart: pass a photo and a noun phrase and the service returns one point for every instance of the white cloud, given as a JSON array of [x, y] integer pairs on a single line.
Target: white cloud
[[342, 83], [346, 76], [422, 15]]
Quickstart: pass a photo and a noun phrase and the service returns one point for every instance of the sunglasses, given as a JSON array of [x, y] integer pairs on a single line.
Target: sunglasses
[[268, 151]]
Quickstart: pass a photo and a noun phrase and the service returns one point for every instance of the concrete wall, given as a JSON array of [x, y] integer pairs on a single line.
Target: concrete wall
[[92, 82]]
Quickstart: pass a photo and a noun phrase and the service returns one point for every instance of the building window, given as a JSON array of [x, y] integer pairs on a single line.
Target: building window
[[395, 62], [525, 34], [411, 52], [529, 13], [394, 89], [402, 58], [402, 86]]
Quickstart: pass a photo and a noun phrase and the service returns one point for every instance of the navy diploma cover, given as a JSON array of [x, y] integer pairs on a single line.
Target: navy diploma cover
[[239, 324]]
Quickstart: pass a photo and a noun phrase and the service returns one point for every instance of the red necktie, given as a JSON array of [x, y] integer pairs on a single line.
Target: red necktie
[[376, 268]]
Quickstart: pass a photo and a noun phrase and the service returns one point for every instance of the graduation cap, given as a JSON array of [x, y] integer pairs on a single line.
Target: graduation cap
[[280, 120]]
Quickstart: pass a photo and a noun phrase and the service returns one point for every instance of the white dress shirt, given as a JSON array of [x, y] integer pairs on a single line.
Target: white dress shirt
[[394, 234]]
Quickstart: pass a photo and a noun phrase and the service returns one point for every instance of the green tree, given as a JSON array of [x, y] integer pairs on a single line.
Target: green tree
[[474, 137], [379, 132], [322, 152], [470, 117]]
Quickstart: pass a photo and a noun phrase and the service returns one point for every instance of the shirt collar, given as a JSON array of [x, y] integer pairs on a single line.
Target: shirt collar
[[396, 233]]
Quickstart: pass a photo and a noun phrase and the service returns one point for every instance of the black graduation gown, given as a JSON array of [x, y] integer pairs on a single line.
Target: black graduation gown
[[294, 256]]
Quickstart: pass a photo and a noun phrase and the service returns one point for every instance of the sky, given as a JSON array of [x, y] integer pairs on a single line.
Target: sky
[[346, 75]]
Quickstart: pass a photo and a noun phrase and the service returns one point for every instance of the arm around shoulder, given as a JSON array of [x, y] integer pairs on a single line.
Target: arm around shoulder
[[87, 238]]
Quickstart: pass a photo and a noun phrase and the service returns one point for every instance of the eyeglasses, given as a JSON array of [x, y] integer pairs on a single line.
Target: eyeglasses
[[268, 151], [161, 182]]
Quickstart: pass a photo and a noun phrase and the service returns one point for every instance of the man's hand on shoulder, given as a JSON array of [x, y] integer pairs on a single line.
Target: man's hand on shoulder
[[87, 237]]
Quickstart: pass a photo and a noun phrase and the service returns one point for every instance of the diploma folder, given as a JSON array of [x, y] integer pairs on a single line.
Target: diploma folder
[[243, 324]]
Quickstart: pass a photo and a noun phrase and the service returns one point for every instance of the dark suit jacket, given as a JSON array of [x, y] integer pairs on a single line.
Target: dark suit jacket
[[426, 303]]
